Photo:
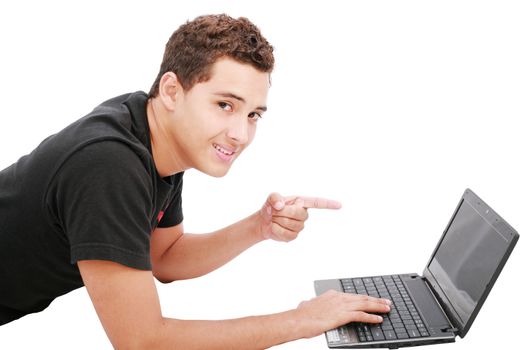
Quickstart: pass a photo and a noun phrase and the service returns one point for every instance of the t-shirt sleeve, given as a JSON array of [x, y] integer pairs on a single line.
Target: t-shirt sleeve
[[173, 216], [102, 198]]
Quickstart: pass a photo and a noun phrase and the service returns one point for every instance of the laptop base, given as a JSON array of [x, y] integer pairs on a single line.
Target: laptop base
[[411, 300]]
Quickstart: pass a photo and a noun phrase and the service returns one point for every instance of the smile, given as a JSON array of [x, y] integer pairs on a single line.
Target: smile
[[225, 153], [223, 150]]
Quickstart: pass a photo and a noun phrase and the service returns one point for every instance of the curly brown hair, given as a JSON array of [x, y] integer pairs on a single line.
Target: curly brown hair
[[196, 45]]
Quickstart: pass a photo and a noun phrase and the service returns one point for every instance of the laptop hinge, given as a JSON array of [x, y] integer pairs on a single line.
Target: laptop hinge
[[450, 329]]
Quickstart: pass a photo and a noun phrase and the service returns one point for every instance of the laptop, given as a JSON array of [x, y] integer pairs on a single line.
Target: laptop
[[443, 302]]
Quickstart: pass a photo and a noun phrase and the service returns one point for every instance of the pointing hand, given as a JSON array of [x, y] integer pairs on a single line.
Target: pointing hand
[[283, 217]]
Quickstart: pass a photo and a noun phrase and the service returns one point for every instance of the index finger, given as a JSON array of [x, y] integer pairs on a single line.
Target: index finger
[[320, 203]]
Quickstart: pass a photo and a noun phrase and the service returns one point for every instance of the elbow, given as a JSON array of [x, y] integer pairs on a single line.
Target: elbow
[[163, 278], [161, 274], [167, 275]]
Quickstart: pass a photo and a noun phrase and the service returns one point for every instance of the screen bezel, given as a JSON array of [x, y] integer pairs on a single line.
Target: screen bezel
[[503, 228]]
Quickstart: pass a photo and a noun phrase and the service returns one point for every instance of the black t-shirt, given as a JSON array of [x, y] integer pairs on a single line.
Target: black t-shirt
[[89, 192]]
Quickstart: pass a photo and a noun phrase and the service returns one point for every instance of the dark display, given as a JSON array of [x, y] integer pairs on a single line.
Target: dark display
[[467, 258]]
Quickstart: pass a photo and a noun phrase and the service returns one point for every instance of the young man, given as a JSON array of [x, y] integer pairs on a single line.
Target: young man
[[99, 203]]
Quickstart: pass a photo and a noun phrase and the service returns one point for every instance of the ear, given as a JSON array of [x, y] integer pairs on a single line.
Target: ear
[[169, 90]]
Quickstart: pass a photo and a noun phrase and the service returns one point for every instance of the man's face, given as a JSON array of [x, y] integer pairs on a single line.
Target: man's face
[[215, 121]]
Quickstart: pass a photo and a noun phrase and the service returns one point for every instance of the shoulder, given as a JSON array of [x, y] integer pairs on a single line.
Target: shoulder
[[122, 106], [108, 157], [104, 167]]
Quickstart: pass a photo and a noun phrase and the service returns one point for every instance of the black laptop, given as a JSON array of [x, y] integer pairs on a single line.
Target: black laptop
[[444, 301]]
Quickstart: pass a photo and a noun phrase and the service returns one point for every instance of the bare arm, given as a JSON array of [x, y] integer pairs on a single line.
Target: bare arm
[[127, 304], [177, 255]]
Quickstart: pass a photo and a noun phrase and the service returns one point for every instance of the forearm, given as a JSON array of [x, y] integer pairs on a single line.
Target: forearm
[[115, 290], [194, 255], [256, 332]]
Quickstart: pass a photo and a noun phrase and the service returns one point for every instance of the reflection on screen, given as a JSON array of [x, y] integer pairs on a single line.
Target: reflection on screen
[[466, 259]]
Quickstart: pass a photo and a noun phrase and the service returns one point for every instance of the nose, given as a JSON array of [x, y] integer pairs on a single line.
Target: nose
[[238, 130]]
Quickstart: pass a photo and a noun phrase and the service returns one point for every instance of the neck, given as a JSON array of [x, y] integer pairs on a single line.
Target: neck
[[164, 153]]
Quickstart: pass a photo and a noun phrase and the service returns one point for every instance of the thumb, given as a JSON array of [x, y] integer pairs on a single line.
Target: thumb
[[276, 201]]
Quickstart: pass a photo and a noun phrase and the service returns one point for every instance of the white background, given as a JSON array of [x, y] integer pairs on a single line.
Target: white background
[[391, 107]]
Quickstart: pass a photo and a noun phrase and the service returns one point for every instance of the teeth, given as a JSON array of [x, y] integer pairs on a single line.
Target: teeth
[[222, 150]]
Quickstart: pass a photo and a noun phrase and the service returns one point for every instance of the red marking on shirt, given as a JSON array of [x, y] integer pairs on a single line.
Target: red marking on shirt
[[161, 214]]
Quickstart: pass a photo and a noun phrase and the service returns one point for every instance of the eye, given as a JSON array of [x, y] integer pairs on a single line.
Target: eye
[[225, 106], [254, 116]]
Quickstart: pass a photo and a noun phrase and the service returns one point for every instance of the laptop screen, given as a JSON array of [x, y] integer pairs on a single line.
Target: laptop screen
[[468, 257]]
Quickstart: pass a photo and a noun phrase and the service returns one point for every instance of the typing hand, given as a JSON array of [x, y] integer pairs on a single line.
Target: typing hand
[[283, 217], [333, 309]]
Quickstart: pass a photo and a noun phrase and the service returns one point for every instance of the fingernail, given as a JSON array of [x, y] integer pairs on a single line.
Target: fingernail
[[388, 302], [379, 318], [279, 205]]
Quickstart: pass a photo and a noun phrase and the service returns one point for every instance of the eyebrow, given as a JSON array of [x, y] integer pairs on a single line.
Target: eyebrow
[[239, 98]]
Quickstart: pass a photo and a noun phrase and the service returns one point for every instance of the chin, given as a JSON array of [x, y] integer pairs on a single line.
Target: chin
[[215, 171], [217, 175], [214, 167]]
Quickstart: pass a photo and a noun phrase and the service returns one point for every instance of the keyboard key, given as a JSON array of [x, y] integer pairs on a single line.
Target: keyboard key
[[413, 333], [389, 335], [377, 333], [397, 321], [406, 317], [388, 328], [333, 336], [402, 335]]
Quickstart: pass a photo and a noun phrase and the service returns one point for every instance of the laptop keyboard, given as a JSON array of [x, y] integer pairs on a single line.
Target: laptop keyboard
[[402, 322]]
